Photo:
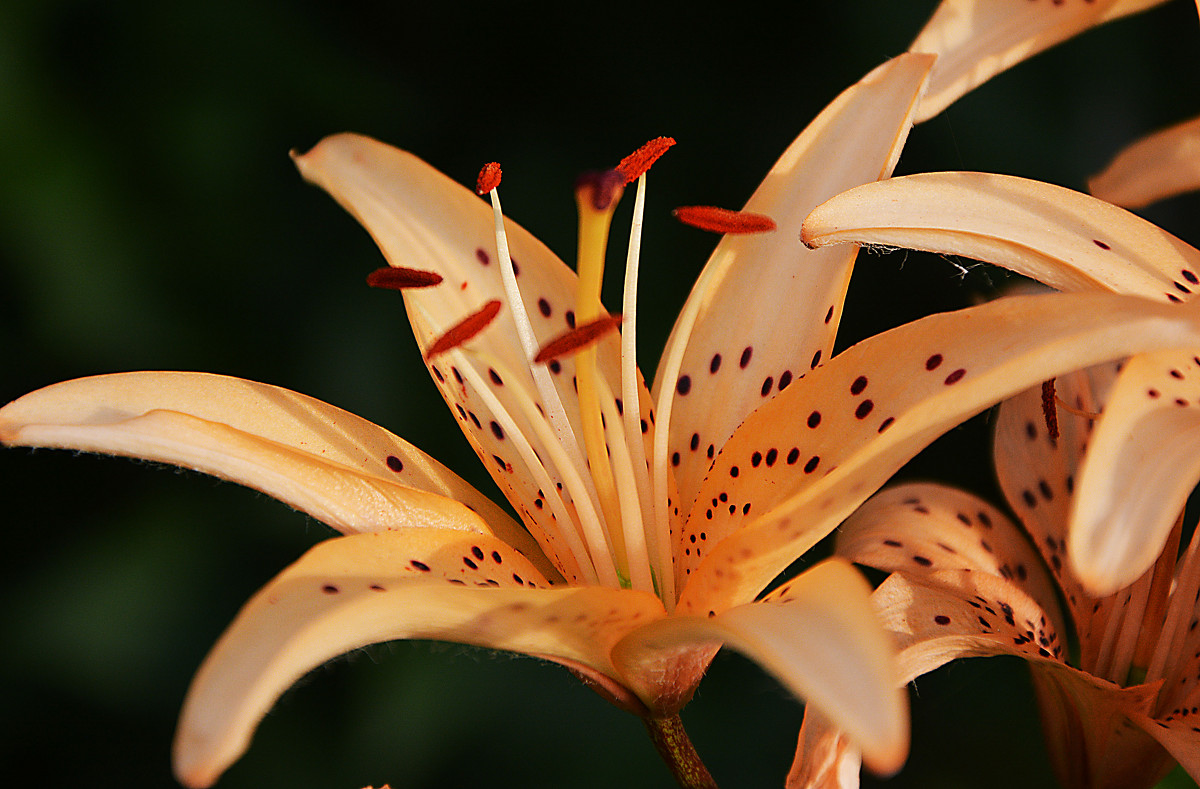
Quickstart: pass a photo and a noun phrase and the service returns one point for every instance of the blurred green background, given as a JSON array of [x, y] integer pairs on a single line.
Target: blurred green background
[[150, 219]]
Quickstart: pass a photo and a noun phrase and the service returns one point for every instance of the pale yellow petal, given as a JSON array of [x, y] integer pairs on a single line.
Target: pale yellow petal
[[765, 308], [367, 588], [341, 469], [1155, 167], [977, 39], [1066, 239], [1142, 462], [854, 422], [824, 759], [818, 635]]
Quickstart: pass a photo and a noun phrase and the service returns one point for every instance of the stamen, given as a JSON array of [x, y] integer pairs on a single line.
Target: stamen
[[489, 178], [723, 220], [638, 162], [464, 330], [602, 190], [578, 338], [1049, 411], [397, 278]]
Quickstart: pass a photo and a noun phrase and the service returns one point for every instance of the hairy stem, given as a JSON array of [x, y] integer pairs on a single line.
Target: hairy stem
[[673, 744]]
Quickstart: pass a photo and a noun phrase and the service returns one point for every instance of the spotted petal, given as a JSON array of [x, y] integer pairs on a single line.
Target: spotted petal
[[765, 309], [1141, 465], [1068, 240], [855, 421], [341, 469], [817, 634], [977, 39], [1161, 165], [352, 591]]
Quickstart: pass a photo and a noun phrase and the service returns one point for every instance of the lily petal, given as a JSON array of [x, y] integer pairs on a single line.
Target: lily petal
[[1141, 465], [921, 529], [874, 407], [1178, 736], [721, 348], [1155, 167], [352, 591], [337, 467], [825, 759], [977, 39], [817, 634], [1066, 239]]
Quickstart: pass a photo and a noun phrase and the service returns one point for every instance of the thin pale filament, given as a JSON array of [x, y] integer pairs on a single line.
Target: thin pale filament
[[1182, 606]]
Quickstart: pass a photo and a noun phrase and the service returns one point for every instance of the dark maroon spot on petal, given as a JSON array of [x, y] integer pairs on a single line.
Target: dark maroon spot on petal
[[1100, 244], [497, 558], [495, 376], [675, 459], [437, 374], [1046, 492], [710, 451], [683, 385], [955, 376], [942, 619], [815, 361], [860, 383], [419, 566], [570, 318], [734, 471], [376, 588], [1176, 374], [1171, 297], [1153, 394], [814, 419], [785, 379], [695, 443], [829, 315], [518, 579], [766, 385], [772, 456], [1190, 276], [477, 552], [885, 424], [933, 362], [715, 363], [1028, 497], [469, 563], [756, 459], [792, 456], [330, 589], [497, 431], [923, 561], [747, 352], [482, 256], [555, 366], [544, 308], [395, 463], [893, 543], [812, 464], [864, 408]]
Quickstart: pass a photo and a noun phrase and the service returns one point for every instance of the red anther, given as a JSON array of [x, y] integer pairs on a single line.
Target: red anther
[[489, 178], [722, 220], [601, 189], [396, 278], [1050, 410], [578, 338], [464, 330], [638, 162]]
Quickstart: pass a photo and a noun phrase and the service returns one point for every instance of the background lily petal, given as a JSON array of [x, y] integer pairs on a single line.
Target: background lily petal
[[1063, 238], [740, 354], [362, 589], [1160, 165], [977, 39]]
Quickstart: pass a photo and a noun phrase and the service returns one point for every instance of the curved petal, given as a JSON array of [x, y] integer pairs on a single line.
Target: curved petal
[[741, 355], [352, 591], [875, 406], [921, 529], [824, 759], [1155, 167], [1142, 462], [817, 634], [977, 39], [954, 614], [1039, 476], [1066, 239], [1178, 736], [341, 469]]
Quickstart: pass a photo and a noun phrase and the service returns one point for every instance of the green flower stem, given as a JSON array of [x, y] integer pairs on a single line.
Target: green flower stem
[[673, 744]]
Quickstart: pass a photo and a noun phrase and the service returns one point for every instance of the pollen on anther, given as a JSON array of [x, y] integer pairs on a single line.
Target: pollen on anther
[[398, 278], [489, 178], [464, 330], [723, 220], [638, 162], [578, 338]]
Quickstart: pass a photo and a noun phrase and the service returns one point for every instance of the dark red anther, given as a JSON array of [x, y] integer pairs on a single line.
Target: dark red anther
[[396, 278], [464, 330], [1050, 410], [722, 220], [638, 162], [578, 338], [489, 178]]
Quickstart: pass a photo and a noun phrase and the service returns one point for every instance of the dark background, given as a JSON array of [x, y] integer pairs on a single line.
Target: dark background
[[150, 219]]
